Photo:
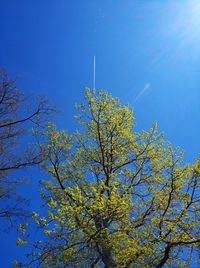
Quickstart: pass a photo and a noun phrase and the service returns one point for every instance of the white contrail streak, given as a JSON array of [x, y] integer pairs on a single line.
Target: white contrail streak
[[139, 95]]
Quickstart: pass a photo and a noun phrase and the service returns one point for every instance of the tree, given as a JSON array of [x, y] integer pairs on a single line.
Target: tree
[[15, 120], [116, 197]]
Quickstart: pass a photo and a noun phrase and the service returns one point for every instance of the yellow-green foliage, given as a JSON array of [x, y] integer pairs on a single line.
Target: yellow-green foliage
[[117, 198]]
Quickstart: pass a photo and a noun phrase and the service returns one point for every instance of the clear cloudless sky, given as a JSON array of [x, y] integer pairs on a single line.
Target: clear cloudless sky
[[147, 54]]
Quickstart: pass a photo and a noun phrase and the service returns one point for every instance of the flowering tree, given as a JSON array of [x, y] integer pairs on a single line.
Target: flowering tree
[[116, 197]]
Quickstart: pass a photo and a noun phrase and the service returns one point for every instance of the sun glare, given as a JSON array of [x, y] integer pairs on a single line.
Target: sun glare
[[191, 19], [184, 28]]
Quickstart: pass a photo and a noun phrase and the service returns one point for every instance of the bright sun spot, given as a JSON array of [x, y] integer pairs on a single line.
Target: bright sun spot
[[183, 29], [192, 17], [187, 18]]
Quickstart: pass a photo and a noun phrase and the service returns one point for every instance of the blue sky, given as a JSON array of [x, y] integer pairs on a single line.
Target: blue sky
[[147, 54]]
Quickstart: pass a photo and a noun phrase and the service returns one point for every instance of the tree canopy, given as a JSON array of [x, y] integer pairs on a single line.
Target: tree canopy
[[116, 197], [16, 121]]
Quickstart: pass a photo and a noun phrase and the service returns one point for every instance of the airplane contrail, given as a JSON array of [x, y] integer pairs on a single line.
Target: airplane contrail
[[145, 88]]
